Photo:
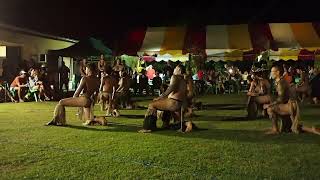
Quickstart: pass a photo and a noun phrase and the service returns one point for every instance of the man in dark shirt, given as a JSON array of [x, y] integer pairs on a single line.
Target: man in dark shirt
[[156, 83], [64, 72]]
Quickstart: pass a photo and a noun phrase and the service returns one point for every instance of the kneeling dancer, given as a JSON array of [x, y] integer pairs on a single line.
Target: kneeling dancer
[[286, 107], [89, 84], [171, 100]]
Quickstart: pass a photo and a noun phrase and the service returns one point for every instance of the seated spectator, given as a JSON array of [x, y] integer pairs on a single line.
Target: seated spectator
[[303, 87], [19, 84], [37, 85], [286, 75], [315, 86], [4, 92]]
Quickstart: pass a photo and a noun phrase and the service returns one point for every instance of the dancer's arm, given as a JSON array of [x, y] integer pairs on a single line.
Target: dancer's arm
[[251, 89]]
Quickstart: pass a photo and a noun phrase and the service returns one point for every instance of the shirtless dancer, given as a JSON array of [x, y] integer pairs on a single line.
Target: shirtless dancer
[[259, 94], [107, 90], [171, 100], [90, 85], [122, 93], [286, 107], [190, 87]]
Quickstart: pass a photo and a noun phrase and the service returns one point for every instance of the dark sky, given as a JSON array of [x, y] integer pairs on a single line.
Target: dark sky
[[104, 19]]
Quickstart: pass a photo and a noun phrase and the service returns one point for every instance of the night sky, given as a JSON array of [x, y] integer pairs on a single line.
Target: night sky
[[79, 19]]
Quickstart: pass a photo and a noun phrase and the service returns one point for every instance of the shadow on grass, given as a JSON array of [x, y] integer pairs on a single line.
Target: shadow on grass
[[225, 118], [223, 106], [250, 136], [132, 116], [142, 98], [139, 108]]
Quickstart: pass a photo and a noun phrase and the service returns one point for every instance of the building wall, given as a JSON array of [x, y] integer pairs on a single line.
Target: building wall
[[31, 45]]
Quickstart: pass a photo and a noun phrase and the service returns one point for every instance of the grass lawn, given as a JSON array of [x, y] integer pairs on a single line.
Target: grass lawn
[[231, 148]]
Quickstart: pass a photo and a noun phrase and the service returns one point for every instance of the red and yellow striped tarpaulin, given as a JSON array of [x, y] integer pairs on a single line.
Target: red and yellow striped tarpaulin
[[218, 41]]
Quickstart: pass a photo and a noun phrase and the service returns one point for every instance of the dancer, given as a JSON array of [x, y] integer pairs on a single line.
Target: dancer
[[171, 100], [190, 87], [90, 86], [107, 90], [122, 94], [286, 107]]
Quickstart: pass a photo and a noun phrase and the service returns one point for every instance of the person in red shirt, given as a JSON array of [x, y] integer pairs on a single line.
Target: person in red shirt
[[201, 80], [200, 75], [19, 84]]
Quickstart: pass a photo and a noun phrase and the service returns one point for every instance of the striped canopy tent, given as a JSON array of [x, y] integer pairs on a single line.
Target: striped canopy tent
[[295, 40], [164, 43], [223, 42], [225, 55], [284, 54], [218, 42], [237, 42]]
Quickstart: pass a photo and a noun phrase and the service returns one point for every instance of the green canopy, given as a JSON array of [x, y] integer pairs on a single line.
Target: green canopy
[[131, 61], [84, 48]]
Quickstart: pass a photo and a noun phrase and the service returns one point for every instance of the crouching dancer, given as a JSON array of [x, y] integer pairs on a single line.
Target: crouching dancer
[[171, 100], [90, 86], [286, 107]]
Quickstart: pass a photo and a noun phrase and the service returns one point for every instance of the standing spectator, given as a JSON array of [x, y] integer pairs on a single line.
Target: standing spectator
[[168, 69], [143, 83], [135, 81], [150, 72], [64, 72], [201, 80], [77, 74], [101, 65], [118, 66], [156, 83]]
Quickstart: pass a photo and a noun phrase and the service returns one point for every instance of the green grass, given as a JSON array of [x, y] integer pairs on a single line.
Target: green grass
[[229, 149]]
